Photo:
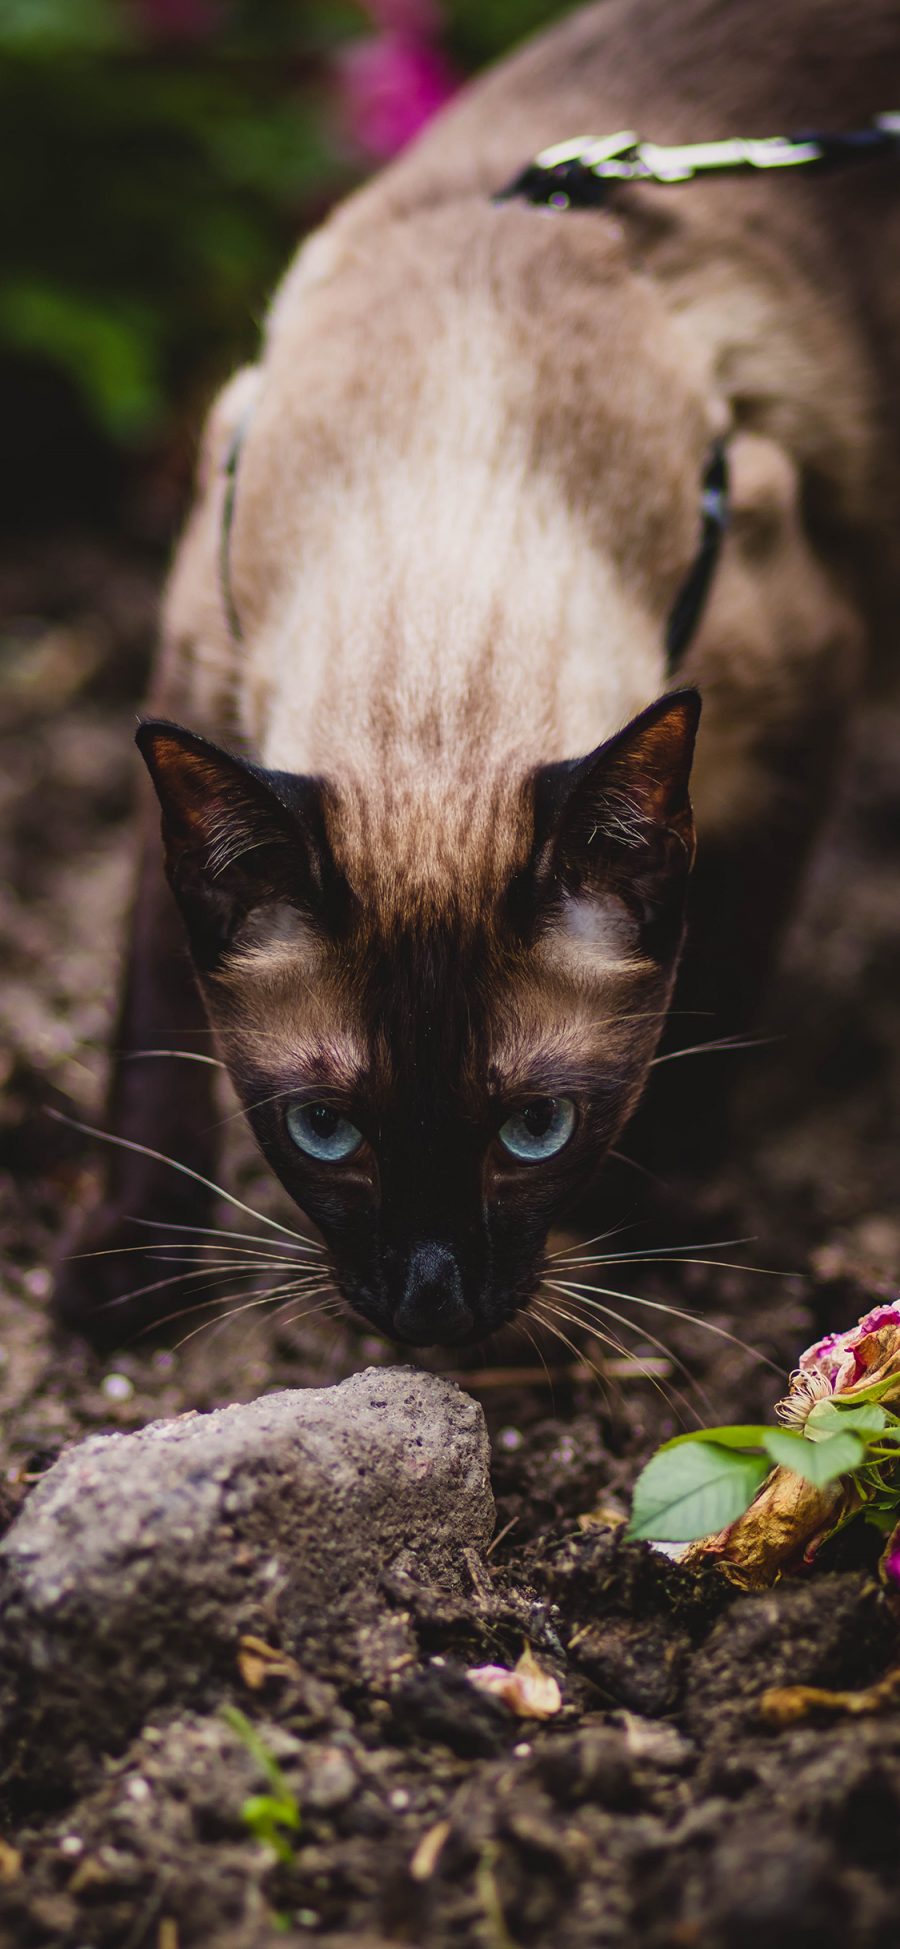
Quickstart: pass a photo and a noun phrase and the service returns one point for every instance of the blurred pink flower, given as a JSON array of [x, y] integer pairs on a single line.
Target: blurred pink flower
[[421, 18], [390, 87], [179, 20], [890, 1562]]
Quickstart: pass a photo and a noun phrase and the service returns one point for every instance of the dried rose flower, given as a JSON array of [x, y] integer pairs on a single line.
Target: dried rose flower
[[790, 1517], [847, 1364]]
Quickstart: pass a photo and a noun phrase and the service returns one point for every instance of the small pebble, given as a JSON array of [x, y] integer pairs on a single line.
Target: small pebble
[[71, 1844], [399, 1799], [117, 1387], [522, 1751], [510, 1439], [138, 1789]]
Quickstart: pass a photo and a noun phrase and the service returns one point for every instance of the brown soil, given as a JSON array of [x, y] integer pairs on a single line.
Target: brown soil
[[661, 1807]]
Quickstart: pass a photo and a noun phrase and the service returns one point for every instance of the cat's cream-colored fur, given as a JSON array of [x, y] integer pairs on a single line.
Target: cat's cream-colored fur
[[467, 495], [469, 483]]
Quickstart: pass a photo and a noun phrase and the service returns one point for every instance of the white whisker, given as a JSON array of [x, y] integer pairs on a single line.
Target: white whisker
[[262, 1299], [159, 1157], [709, 1048], [181, 1055], [621, 1319], [222, 1231], [676, 1313]]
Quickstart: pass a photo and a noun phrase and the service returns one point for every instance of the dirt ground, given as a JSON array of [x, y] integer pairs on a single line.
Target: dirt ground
[[662, 1806]]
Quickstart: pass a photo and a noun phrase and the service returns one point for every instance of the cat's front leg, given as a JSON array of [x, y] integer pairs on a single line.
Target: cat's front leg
[[161, 1103]]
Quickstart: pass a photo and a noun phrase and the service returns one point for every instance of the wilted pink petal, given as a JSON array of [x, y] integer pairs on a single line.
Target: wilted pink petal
[[529, 1691], [847, 1363], [391, 86]]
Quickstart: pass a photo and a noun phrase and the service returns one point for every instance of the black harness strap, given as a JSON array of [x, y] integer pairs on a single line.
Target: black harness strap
[[691, 599]]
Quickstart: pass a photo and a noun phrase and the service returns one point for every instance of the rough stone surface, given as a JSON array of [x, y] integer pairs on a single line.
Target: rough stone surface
[[141, 1559]]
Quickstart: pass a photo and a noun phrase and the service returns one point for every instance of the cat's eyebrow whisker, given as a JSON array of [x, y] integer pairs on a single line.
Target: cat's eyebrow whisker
[[678, 1313], [180, 1055], [648, 1015], [245, 1108], [621, 1319], [159, 1157], [619, 1157], [723, 1043]]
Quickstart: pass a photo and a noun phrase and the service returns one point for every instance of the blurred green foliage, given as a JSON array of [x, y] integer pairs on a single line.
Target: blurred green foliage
[[159, 158]]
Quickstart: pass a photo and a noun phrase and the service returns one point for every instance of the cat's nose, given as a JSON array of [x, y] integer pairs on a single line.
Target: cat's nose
[[432, 1310]]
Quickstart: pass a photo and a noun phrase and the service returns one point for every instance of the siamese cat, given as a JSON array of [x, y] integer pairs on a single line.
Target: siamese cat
[[421, 752]]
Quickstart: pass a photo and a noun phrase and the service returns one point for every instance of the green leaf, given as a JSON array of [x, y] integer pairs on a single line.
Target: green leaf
[[829, 1418], [694, 1490], [266, 1761], [751, 1435], [267, 1815], [816, 1461]]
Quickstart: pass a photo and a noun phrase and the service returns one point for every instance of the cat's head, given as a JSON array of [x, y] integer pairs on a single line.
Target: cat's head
[[436, 1070]]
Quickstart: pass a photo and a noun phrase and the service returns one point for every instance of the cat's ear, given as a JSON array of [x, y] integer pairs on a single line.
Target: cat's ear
[[619, 822], [237, 838]]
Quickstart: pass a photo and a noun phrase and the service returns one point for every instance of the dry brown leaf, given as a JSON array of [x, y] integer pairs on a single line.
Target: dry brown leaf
[[427, 1851], [784, 1705], [10, 1863], [258, 1661]]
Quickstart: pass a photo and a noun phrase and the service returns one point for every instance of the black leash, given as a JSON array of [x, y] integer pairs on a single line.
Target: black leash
[[580, 174]]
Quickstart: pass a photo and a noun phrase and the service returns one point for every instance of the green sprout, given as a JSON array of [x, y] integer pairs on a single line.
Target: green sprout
[[271, 1817]]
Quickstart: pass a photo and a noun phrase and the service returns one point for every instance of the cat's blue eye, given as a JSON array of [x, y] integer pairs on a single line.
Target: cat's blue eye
[[540, 1130], [322, 1132]]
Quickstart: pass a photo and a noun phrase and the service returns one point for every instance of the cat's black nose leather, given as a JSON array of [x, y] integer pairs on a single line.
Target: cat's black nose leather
[[432, 1310]]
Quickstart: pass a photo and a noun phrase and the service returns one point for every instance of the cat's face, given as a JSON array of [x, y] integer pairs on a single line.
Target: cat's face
[[436, 1078]]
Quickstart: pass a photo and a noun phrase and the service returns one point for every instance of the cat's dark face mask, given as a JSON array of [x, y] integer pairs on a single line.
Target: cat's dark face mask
[[436, 1085]]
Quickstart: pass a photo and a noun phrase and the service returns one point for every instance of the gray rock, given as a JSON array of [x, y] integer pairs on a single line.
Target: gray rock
[[141, 1559]]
